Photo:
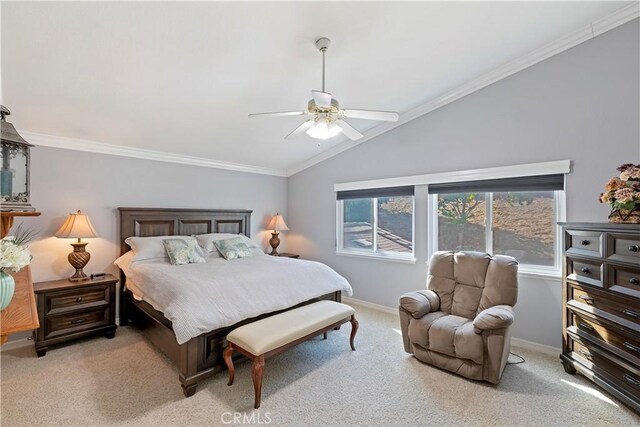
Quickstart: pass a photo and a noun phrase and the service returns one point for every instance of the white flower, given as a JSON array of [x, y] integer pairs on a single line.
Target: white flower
[[13, 257]]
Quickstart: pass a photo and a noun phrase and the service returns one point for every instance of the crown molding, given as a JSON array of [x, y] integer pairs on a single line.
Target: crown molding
[[140, 153], [582, 34]]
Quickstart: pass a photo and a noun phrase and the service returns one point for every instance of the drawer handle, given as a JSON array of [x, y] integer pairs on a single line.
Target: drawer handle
[[586, 326], [586, 298], [634, 248], [586, 354], [634, 281], [632, 347], [628, 378], [585, 242], [631, 313], [585, 270], [79, 299], [73, 322]]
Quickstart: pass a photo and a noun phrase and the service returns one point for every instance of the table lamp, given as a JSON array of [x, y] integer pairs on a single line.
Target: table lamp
[[77, 226], [276, 224]]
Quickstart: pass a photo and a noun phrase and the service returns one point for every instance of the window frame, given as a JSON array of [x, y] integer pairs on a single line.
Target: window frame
[[405, 257], [553, 272]]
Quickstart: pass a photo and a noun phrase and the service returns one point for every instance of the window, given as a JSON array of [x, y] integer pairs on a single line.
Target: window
[[521, 223], [377, 223]]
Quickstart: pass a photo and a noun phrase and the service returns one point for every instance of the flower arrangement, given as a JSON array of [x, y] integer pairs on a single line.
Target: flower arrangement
[[14, 254], [623, 194]]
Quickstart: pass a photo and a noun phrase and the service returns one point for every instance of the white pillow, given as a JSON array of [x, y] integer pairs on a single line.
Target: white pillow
[[206, 240], [146, 248], [124, 261]]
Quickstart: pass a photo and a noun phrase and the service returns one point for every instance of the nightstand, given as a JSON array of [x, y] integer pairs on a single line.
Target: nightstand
[[71, 310], [287, 255]]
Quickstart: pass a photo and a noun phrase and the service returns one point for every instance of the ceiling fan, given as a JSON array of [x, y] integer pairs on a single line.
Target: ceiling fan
[[326, 117]]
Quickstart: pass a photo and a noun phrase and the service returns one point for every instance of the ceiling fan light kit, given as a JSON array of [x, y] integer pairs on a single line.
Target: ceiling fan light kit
[[327, 117]]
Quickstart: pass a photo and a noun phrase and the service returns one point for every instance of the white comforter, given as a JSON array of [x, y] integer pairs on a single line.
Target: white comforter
[[198, 298]]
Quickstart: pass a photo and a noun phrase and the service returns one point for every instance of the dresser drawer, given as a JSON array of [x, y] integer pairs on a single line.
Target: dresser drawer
[[585, 243], [623, 248], [625, 346], [75, 321], [586, 271], [625, 280], [68, 300], [601, 304], [593, 358]]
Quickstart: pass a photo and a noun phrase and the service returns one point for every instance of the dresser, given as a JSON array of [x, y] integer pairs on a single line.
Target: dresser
[[72, 310], [601, 306]]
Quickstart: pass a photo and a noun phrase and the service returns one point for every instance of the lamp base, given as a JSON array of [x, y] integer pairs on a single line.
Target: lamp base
[[78, 260], [274, 241]]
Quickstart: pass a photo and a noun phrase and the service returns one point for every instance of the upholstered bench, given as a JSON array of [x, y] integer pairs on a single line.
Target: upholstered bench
[[275, 334]]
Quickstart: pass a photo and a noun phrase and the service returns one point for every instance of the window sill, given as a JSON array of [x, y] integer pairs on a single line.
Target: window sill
[[540, 274], [409, 259]]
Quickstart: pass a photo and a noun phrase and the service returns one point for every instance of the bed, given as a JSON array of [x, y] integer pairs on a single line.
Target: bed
[[201, 356]]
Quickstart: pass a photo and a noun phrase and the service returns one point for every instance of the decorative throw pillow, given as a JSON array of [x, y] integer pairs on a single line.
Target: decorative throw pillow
[[150, 248], [233, 248], [207, 241], [182, 251]]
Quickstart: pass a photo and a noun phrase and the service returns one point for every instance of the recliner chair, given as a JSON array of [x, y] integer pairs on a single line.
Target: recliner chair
[[462, 321]]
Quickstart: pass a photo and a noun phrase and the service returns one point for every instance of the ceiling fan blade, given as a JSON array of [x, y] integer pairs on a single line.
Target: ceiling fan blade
[[351, 132], [322, 99], [300, 129], [387, 116], [284, 113]]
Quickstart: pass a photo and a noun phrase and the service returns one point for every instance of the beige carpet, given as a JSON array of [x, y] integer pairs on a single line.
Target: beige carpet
[[319, 383]]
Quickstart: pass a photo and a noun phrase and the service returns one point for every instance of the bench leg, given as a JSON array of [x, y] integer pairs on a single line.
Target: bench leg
[[228, 352], [257, 368], [354, 330], [324, 336]]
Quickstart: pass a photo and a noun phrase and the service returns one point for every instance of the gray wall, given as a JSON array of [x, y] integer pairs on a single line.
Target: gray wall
[[580, 105], [64, 181]]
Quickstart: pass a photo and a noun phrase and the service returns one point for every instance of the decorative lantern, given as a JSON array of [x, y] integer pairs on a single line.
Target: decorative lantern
[[14, 175]]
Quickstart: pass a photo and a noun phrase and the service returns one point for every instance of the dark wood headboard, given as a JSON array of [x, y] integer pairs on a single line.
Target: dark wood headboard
[[146, 222]]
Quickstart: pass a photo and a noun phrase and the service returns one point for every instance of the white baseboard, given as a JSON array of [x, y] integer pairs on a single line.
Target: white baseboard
[[382, 308], [11, 345], [529, 345], [534, 346]]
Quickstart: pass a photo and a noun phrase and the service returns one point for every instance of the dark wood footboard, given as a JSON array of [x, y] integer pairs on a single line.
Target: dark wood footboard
[[198, 358]]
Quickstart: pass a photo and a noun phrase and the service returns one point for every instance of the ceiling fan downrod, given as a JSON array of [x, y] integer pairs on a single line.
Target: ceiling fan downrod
[[323, 44]]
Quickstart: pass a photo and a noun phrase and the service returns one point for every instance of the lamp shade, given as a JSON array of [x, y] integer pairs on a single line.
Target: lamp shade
[[77, 226], [277, 223]]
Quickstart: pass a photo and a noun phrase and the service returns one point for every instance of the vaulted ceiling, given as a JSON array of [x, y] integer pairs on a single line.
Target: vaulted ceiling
[[182, 77]]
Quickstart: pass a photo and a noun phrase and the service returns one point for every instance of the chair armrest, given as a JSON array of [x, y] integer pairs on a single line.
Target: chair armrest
[[496, 317], [419, 303]]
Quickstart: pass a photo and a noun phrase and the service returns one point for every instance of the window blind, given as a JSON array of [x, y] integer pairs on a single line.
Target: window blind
[[525, 183], [376, 192]]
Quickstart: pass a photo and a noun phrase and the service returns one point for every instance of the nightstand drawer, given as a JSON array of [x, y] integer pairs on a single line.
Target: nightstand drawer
[[74, 322], [64, 301]]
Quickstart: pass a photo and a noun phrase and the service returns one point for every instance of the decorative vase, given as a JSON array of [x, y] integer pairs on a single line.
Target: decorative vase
[[7, 287], [624, 216]]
